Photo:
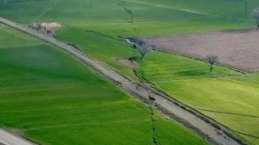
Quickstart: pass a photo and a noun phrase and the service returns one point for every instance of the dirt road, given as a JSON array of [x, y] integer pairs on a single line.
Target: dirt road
[[174, 110]]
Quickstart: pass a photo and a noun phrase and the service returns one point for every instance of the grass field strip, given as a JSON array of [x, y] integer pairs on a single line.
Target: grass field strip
[[229, 113], [183, 10], [127, 23], [44, 90], [173, 8], [47, 10], [57, 115], [72, 110], [68, 121], [64, 108], [22, 78], [24, 45], [38, 100], [91, 123]]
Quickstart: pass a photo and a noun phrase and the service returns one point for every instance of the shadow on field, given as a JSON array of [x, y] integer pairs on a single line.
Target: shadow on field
[[191, 73], [221, 112]]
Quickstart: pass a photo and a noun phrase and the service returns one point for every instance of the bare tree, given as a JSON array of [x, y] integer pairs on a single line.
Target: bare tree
[[255, 17], [212, 59], [143, 50], [141, 47]]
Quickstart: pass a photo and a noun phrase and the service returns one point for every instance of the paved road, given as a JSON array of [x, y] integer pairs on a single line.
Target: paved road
[[9, 139], [204, 130]]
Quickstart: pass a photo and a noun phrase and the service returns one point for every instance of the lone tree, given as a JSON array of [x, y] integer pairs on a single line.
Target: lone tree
[[141, 47], [212, 59], [143, 50], [255, 17]]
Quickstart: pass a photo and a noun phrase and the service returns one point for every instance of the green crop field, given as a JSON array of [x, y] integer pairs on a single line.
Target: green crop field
[[224, 95], [151, 17], [53, 99]]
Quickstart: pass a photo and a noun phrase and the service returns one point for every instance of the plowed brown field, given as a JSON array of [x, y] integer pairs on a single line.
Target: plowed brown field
[[238, 49]]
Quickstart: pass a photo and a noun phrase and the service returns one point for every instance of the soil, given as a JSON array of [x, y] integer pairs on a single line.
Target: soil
[[50, 26], [127, 63], [238, 49]]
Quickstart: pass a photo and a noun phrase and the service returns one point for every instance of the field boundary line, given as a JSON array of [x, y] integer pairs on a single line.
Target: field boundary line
[[202, 60], [183, 10], [89, 123], [61, 108], [173, 8], [205, 130], [47, 10]]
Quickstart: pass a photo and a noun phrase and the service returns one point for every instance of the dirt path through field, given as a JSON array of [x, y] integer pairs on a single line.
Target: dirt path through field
[[172, 108]]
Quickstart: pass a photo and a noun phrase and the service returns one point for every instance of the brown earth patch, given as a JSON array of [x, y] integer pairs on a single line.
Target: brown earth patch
[[50, 27], [128, 63], [237, 49]]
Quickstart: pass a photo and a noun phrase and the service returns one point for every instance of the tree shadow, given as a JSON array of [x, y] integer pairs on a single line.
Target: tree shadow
[[135, 58], [192, 73]]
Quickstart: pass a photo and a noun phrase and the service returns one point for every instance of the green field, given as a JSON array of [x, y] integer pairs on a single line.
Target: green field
[[168, 16], [226, 96], [54, 99]]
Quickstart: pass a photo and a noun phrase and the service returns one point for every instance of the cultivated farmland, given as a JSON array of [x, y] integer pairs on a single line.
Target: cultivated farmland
[[110, 18], [52, 99], [238, 49], [224, 94], [229, 97]]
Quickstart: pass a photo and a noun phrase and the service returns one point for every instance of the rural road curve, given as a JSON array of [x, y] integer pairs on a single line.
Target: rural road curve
[[197, 125], [9, 139]]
